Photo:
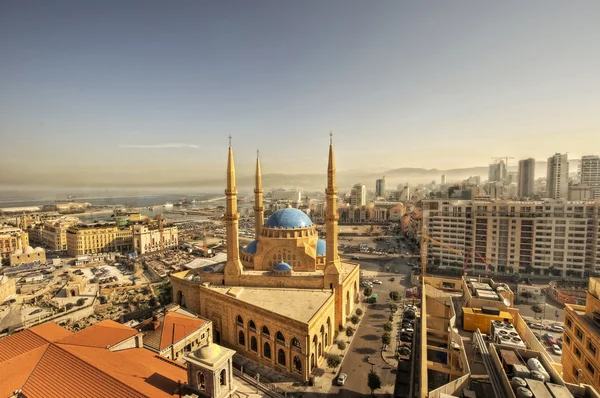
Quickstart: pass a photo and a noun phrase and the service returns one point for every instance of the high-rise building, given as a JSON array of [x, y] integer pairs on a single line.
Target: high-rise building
[[525, 237], [590, 174], [557, 176], [526, 178], [581, 339], [380, 187], [497, 171], [443, 179], [358, 195]]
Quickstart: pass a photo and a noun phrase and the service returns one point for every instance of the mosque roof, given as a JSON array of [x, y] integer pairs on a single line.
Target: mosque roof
[[321, 247], [251, 247], [288, 218], [282, 267]]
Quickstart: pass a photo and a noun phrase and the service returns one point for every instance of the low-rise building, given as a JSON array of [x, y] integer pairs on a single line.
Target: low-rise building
[[27, 256], [149, 238], [12, 239], [98, 238]]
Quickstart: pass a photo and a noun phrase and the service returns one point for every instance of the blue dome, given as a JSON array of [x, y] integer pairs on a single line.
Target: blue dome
[[288, 218], [251, 248], [282, 267], [321, 247]]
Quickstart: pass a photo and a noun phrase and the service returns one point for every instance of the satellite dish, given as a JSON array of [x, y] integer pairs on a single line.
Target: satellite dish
[[507, 302]]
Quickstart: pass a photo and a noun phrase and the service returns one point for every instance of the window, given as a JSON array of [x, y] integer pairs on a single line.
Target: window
[[578, 333], [296, 343], [223, 378], [267, 350], [253, 344], [201, 382], [240, 321], [567, 340], [577, 353], [279, 337], [251, 325], [568, 322], [590, 367], [448, 285], [241, 338], [591, 348], [297, 364], [265, 331], [281, 357]]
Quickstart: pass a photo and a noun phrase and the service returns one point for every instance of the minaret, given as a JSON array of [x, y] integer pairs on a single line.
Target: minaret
[[259, 215], [332, 259], [233, 267]]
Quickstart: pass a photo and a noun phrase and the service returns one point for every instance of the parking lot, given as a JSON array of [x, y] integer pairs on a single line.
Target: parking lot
[[545, 333]]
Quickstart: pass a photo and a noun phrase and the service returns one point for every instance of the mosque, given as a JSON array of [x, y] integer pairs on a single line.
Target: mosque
[[279, 300]]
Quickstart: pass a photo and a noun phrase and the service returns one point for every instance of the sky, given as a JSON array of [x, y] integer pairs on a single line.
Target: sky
[[142, 92]]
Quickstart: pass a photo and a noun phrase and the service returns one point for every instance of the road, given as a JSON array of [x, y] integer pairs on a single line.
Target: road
[[367, 339]]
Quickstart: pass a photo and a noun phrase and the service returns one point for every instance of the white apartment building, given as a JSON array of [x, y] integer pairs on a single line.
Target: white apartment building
[[590, 174], [290, 195], [358, 195], [557, 177], [150, 238], [552, 236]]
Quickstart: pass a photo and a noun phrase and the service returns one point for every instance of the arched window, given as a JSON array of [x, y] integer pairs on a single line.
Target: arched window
[[274, 256], [297, 364], [267, 351], [223, 378], [281, 357], [251, 325], [253, 344], [279, 337], [201, 382], [241, 338], [240, 320], [296, 343], [265, 331]]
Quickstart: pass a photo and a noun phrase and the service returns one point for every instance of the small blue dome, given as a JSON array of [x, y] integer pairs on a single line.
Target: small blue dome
[[282, 267], [208, 268], [251, 247], [288, 218], [321, 247]]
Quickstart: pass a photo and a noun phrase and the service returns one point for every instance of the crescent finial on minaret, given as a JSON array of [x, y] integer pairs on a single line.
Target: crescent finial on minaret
[[229, 140], [330, 137]]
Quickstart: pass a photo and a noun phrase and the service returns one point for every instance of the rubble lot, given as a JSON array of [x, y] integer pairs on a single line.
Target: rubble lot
[[117, 302]]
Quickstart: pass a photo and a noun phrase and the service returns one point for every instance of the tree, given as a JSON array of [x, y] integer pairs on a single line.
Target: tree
[[354, 319], [394, 295], [68, 306], [80, 302], [341, 345], [333, 360], [386, 339], [526, 295], [393, 307], [341, 327], [387, 327], [373, 381], [153, 301], [358, 312], [349, 331], [391, 318], [537, 309], [368, 291]]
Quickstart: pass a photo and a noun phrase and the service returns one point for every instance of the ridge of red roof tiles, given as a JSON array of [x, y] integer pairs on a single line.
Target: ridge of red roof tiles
[[100, 335], [176, 326]]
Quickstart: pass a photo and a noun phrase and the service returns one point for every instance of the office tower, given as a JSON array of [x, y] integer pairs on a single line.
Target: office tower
[[497, 171], [590, 174], [526, 178], [380, 187], [557, 177], [443, 179], [358, 195]]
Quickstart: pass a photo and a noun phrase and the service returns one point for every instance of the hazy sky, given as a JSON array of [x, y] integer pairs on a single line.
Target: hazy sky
[[141, 90]]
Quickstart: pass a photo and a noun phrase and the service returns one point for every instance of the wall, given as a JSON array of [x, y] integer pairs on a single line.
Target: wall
[[444, 283], [7, 287], [453, 388]]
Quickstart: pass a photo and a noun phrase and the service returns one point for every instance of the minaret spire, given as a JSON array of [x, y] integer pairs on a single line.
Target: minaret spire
[[233, 266], [332, 259], [259, 216]]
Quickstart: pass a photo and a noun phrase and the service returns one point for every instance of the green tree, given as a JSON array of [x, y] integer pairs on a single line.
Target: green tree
[[393, 307], [333, 360], [349, 331], [153, 302], [394, 295], [68, 306], [374, 382], [537, 309], [391, 318], [358, 312], [387, 327], [368, 291], [354, 319], [80, 302], [386, 339], [341, 345], [526, 295]]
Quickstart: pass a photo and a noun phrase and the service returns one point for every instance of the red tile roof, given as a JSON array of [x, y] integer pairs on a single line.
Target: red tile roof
[[62, 364], [176, 326]]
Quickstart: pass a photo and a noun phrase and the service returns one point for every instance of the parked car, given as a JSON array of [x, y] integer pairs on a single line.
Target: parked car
[[355, 258], [341, 380], [377, 282], [392, 279], [556, 349], [549, 339], [533, 325], [555, 328]]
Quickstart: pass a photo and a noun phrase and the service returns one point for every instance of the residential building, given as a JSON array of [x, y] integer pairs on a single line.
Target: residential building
[[497, 171], [581, 339], [580, 192], [380, 187], [358, 195], [279, 300], [98, 238], [286, 195], [526, 178], [403, 194], [11, 239], [397, 212], [148, 238], [590, 174], [539, 238], [443, 179], [52, 233], [557, 177]]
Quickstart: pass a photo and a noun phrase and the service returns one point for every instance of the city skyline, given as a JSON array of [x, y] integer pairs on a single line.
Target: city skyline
[[148, 94]]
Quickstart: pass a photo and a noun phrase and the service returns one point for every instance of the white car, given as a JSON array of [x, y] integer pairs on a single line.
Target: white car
[[377, 282], [556, 349], [341, 380]]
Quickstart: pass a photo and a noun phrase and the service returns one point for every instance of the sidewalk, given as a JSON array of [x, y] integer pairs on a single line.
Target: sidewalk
[[389, 354]]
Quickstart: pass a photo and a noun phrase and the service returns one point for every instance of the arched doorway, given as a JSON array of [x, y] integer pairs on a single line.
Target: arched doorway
[[180, 298], [327, 342], [347, 303], [297, 364], [323, 336], [312, 361]]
